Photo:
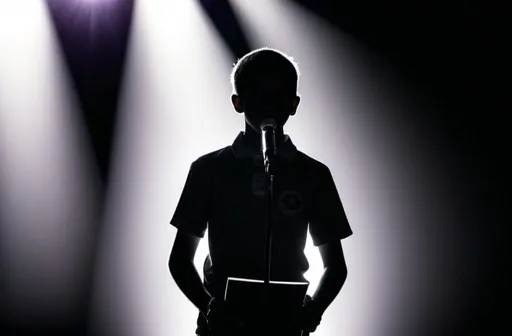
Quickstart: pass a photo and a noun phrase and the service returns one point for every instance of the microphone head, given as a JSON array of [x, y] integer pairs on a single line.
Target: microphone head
[[268, 123]]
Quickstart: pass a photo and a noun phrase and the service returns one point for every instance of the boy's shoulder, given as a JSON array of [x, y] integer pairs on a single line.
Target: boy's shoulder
[[308, 162], [213, 157]]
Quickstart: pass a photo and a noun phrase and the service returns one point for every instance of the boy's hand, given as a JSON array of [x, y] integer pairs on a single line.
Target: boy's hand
[[217, 315], [310, 315]]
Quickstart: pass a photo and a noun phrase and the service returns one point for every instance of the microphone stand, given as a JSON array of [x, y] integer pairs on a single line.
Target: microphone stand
[[269, 157], [270, 175], [271, 168]]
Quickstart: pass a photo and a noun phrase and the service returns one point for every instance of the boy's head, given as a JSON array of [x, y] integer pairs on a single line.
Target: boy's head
[[265, 83]]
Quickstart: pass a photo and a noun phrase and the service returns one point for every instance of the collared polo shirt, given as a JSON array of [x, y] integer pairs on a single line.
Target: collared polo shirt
[[226, 192]]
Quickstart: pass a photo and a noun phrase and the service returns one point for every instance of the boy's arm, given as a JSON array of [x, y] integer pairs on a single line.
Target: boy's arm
[[334, 276], [184, 272]]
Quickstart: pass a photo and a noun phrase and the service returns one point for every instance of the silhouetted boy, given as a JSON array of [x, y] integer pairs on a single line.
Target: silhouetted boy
[[225, 191]]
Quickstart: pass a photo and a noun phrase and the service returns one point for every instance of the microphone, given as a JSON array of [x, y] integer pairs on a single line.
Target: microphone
[[268, 141]]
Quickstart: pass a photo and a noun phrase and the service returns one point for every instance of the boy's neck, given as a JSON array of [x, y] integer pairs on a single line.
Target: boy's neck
[[253, 138]]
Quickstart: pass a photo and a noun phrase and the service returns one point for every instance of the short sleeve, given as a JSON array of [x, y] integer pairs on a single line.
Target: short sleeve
[[328, 220], [192, 212]]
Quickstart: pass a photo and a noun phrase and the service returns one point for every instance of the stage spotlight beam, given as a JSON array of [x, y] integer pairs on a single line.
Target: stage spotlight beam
[[163, 126], [47, 182]]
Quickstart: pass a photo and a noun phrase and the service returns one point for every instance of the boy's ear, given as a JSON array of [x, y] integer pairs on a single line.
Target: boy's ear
[[237, 103], [295, 104]]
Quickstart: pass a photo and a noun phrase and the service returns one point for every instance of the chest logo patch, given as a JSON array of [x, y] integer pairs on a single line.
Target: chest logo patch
[[290, 202]]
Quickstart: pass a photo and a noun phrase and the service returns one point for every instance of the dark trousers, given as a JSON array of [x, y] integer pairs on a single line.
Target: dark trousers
[[241, 333], [248, 332], [251, 330]]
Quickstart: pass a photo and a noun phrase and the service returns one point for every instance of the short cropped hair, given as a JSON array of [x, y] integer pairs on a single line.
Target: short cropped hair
[[264, 60]]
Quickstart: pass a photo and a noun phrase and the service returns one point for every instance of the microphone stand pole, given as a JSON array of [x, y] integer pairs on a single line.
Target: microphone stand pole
[[270, 195], [270, 172], [270, 169]]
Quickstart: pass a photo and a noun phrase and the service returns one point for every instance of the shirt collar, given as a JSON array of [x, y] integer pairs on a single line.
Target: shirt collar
[[241, 150]]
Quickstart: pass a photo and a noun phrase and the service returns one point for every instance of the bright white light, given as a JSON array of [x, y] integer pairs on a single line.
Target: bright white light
[[175, 107], [46, 190]]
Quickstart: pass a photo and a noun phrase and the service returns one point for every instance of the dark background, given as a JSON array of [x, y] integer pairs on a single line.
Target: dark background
[[452, 55]]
